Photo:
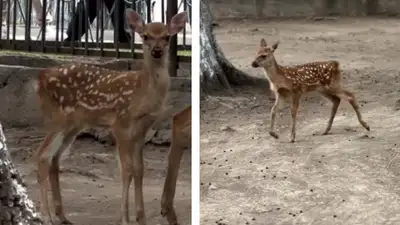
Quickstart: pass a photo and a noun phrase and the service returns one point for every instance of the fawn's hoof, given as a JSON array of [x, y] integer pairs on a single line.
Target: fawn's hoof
[[365, 125], [63, 220], [273, 134], [325, 133], [170, 215], [66, 222]]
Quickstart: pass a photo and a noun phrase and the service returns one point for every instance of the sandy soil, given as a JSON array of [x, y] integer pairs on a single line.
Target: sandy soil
[[349, 177], [90, 180]]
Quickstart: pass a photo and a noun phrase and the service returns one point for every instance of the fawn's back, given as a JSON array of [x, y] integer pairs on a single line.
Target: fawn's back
[[314, 73], [94, 95]]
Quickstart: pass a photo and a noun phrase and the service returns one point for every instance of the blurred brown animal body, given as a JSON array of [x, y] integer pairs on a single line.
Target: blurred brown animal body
[[78, 96]]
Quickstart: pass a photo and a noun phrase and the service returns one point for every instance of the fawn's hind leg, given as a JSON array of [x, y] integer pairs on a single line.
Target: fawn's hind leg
[[352, 100], [295, 107]]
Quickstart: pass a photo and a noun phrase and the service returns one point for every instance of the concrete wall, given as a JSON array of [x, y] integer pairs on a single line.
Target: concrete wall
[[293, 8]]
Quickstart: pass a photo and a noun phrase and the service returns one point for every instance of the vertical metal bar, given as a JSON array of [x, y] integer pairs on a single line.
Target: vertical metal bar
[[116, 27], [62, 20], [172, 9], [132, 33], [184, 28], [1, 19], [28, 25], [14, 23], [57, 24], [8, 19], [44, 25], [148, 7], [73, 27], [98, 21], [162, 11], [81, 14], [86, 28], [102, 29]]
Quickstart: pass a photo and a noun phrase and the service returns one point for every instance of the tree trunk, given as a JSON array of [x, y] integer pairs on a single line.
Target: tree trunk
[[15, 205], [216, 70]]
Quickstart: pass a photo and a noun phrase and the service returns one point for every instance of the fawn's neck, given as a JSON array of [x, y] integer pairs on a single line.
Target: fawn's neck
[[272, 69], [158, 72], [158, 68]]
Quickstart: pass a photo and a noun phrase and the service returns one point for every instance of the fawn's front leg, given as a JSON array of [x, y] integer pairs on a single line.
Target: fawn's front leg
[[273, 115], [49, 146], [54, 175], [181, 138], [295, 107], [138, 170], [335, 105], [126, 170], [167, 199]]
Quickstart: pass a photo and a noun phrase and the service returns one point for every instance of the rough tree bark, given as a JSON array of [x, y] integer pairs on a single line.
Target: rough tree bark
[[16, 208], [216, 70]]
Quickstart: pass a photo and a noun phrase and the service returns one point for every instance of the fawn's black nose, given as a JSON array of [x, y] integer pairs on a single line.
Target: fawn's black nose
[[254, 64], [157, 53]]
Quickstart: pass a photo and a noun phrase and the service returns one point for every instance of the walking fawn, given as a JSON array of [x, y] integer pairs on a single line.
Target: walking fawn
[[285, 82], [78, 96]]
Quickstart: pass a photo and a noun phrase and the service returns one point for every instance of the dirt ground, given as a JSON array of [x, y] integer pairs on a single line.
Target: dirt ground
[[348, 177], [90, 181]]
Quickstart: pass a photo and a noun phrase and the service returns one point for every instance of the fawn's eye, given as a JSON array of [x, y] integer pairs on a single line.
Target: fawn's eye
[[263, 56], [166, 38], [145, 37]]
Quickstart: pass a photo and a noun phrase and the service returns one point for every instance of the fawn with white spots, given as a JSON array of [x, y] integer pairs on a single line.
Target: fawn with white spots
[[78, 96], [294, 81]]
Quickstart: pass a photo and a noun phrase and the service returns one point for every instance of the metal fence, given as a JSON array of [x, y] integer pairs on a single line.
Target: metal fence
[[87, 27]]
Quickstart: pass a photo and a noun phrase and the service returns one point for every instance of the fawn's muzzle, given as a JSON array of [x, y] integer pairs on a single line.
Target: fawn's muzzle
[[254, 64], [157, 53]]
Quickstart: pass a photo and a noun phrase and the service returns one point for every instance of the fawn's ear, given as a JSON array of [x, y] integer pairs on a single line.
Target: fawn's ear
[[263, 43], [135, 21], [275, 46], [177, 23]]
